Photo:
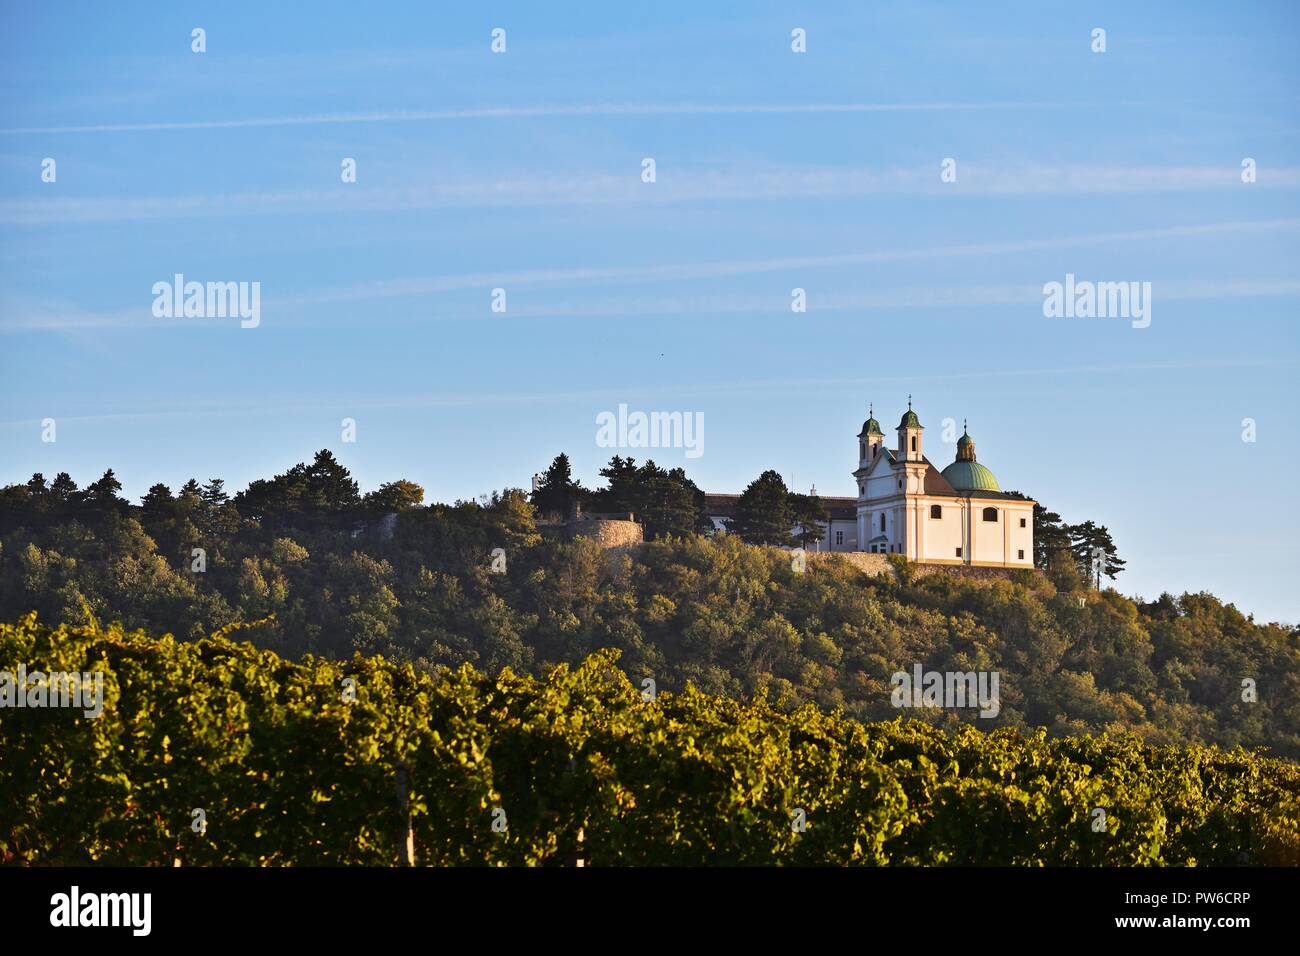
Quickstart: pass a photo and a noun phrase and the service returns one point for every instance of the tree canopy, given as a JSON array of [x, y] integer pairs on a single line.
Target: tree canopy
[[298, 563]]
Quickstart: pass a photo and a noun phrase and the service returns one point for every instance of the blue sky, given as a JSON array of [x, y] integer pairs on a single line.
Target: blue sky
[[775, 170]]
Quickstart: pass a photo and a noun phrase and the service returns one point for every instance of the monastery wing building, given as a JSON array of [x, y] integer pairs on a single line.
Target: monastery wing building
[[958, 516]]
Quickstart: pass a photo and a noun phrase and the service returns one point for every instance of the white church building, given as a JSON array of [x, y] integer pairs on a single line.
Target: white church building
[[905, 505], [960, 515]]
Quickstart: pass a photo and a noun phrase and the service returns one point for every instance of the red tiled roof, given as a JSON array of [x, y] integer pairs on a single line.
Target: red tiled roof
[[936, 483], [724, 506]]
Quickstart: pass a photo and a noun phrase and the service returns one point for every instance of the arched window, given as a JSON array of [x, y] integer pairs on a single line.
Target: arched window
[[882, 521], [913, 443], [862, 446], [990, 514]]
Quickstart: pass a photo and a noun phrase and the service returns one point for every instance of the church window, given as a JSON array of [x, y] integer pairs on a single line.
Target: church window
[[936, 511], [959, 552], [913, 443], [1022, 554], [875, 451], [990, 514], [900, 482], [863, 449], [1022, 522], [882, 522], [839, 539]]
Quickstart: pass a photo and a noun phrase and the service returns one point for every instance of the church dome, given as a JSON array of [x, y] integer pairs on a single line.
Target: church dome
[[910, 420], [970, 476]]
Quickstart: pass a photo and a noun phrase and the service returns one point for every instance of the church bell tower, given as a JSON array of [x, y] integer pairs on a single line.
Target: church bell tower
[[909, 436]]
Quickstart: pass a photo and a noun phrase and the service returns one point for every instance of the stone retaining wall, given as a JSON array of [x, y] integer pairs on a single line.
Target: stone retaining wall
[[607, 532], [878, 565]]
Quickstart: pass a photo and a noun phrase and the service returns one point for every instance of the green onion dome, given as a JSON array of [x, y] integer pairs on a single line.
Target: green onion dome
[[966, 474], [970, 476]]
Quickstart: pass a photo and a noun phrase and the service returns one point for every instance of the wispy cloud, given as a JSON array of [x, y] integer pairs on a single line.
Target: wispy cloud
[[725, 269], [17, 317], [38, 316], [676, 185], [526, 112], [298, 404], [919, 297]]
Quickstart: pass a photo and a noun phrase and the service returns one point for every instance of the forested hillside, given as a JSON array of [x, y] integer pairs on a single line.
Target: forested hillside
[[302, 560], [215, 753]]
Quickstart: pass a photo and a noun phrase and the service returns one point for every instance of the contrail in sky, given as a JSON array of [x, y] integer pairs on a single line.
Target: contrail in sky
[[524, 112]]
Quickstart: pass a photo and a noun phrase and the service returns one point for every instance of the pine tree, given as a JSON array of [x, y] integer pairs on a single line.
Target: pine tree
[[763, 513], [330, 486], [1094, 551], [102, 496], [558, 493], [213, 493], [1051, 538], [668, 501], [623, 492], [158, 502], [63, 487], [810, 515]]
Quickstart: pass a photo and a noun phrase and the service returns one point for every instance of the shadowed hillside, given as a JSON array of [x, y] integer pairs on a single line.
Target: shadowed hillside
[[311, 567]]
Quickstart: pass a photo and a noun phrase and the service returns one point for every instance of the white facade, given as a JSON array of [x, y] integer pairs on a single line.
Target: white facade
[[905, 505], [841, 532], [960, 516]]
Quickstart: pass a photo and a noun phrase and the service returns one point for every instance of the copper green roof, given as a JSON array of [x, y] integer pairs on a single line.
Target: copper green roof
[[871, 427], [970, 476], [910, 420]]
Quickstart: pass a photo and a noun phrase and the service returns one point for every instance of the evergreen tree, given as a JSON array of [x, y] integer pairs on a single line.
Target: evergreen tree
[[213, 493], [63, 487], [102, 496], [189, 502], [1095, 552], [330, 486], [314, 494], [763, 513], [158, 503], [558, 493], [669, 502], [810, 515], [1051, 538], [623, 492]]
